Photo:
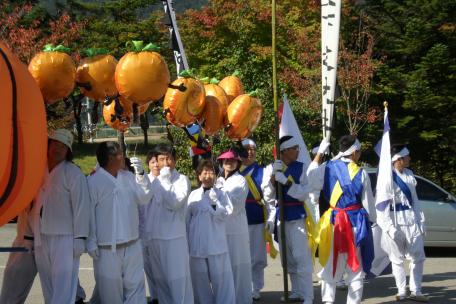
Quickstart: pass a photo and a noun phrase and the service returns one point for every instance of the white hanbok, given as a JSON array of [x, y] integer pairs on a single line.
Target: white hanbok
[[210, 266], [354, 280], [61, 214], [258, 252], [409, 222], [299, 256], [237, 233], [166, 237], [114, 231]]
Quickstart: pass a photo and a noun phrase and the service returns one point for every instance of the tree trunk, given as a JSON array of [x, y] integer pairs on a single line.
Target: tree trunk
[[144, 122], [121, 141]]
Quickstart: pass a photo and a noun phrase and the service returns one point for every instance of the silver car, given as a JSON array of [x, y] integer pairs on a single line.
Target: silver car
[[439, 207]]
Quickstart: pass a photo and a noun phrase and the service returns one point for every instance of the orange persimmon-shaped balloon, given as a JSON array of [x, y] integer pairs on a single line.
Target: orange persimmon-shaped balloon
[[244, 114], [232, 86], [214, 114], [142, 76], [55, 73], [96, 76], [23, 134], [118, 113], [184, 101]]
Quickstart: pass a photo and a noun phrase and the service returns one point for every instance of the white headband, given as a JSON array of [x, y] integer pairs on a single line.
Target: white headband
[[292, 142], [355, 147], [402, 153], [248, 142]]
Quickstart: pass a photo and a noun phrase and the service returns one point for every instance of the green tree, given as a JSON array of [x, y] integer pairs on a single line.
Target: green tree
[[417, 40]]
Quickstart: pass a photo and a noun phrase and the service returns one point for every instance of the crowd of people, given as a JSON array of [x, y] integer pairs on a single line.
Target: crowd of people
[[208, 245]]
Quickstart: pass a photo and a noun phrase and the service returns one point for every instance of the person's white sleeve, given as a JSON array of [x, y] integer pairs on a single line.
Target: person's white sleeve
[[268, 192], [300, 191], [367, 198], [224, 207], [92, 239], [175, 194], [188, 214], [80, 201], [143, 189], [316, 175]]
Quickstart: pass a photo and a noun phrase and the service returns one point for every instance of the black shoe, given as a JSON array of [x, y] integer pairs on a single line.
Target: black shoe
[[79, 301]]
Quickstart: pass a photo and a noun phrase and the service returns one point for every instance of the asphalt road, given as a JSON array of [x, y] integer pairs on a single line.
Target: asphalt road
[[439, 281]]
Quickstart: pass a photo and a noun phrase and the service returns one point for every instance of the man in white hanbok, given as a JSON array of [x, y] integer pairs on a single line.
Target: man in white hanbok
[[237, 231], [167, 245], [291, 173], [260, 209], [60, 221], [403, 226], [344, 230], [113, 242], [208, 209]]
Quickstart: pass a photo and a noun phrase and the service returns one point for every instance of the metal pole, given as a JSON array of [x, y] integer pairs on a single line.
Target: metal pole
[[283, 251]]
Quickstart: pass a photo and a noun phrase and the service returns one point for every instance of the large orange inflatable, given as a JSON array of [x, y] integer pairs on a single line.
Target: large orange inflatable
[[118, 113], [23, 134], [244, 114], [184, 101], [232, 86], [142, 76], [214, 114], [95, 74], [54, 71]]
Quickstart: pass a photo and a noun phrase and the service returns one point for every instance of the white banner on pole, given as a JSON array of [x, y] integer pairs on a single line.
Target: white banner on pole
[[330, 24]]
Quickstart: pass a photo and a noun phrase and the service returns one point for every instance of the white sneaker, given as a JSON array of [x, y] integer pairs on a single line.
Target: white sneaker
[[256, 295], [292, 298], [401, 297]]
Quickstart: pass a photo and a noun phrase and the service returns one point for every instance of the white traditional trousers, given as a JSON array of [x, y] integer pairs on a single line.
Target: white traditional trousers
[[148, 269], [354, 280], [299, 259], [414, 251], [212, 279], [58, 268], [171, 271], [18, 277], [239, 252], [258, 255], [119, 274]]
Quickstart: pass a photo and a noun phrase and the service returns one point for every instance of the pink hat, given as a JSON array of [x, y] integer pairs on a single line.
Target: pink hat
[[230, 154]]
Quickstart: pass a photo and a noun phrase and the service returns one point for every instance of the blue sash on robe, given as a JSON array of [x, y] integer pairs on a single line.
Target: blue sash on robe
[[352, 193], [405, 189], [254, 209]]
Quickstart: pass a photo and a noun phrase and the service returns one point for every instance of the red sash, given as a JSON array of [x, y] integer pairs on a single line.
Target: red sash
[[343, 238]]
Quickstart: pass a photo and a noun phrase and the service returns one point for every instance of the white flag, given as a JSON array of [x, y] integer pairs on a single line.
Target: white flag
[[330, 24], [384, 187], [289, 126]]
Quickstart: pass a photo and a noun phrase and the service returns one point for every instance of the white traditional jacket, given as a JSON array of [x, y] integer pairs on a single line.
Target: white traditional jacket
[[115, 203], [237, 189], [62, 205], [206, 226]]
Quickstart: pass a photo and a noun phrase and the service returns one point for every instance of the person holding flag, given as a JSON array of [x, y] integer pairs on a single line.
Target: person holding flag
[[260, 208], [344, 233], [291, 173], [402, 220]]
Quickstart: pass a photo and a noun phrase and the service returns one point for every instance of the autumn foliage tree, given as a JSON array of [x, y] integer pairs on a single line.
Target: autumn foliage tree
[[25, 29]]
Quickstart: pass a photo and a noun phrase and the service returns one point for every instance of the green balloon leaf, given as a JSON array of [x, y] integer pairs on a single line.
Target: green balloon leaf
[[214, 81], [138, 46], [186, 74], [59, 48], [236, 73], [254, 93], [92, 52]]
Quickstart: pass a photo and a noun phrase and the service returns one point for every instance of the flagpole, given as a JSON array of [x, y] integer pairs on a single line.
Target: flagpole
[[283, 251], [385, 104]]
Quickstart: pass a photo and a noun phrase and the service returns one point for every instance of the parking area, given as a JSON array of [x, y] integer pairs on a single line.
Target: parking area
[[439, 280]]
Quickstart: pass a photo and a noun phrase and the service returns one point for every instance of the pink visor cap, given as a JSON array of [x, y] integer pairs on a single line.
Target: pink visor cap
[[230, 154]]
